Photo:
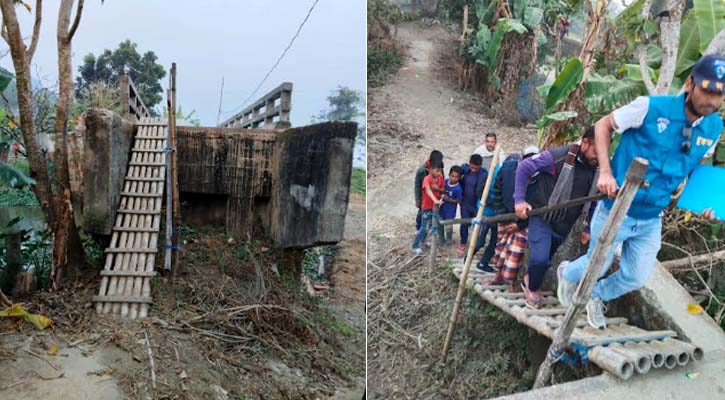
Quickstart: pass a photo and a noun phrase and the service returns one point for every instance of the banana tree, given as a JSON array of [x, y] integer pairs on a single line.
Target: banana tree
[[496, 20]]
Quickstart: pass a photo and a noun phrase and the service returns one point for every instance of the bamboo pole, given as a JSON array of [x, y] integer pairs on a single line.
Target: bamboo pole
[[692, 261], [471, 247], [174, 177], [536, 211], [632, 182], [434, 231], [169, 200]]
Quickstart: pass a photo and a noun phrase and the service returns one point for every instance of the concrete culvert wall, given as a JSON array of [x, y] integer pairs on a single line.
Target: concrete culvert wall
[[289, 184]]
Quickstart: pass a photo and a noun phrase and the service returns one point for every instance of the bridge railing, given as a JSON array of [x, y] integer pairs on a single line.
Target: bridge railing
[[131, 103], [269, 111]]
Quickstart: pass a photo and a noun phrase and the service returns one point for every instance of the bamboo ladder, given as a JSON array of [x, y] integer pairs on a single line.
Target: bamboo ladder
[[126, 277], [620, 349]]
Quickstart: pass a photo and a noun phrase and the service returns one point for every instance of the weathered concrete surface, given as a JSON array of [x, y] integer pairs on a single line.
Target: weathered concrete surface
[[312, 172], [661, 384], [106, 150], [664, 304], [291, 184], [234, 162], [86, 374], [670, 297]]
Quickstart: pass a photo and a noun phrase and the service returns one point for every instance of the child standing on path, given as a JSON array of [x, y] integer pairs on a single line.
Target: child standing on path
[[474, 178], [432, 185], [420, 174], [451, 199]]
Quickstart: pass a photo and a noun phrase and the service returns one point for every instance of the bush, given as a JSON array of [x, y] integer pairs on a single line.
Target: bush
[[381, 64], [357, 181]]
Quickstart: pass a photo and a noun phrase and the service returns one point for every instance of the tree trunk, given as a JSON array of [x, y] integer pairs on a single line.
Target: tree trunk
[[514, 66], [669, 38], [575, 102], [21, 63], [66, 245]]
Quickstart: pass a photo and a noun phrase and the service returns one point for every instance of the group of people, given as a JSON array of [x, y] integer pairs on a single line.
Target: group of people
[[673, 132]]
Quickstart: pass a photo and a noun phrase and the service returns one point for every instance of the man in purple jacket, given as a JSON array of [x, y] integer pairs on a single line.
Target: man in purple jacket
[[557, 175]]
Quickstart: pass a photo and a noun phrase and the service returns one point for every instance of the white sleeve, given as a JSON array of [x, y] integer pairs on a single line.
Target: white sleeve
[[711, 151], [632, 115]]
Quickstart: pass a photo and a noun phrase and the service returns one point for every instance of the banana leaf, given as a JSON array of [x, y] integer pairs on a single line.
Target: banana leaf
[[710, 20], [565, 83], [14, 178], [5, 78], [689, 48]]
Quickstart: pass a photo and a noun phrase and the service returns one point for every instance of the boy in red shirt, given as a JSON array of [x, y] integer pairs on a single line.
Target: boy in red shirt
[[433, 185]]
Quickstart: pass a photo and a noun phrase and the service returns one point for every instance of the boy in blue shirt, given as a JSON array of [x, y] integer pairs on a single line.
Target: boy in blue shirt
[[451, 199]]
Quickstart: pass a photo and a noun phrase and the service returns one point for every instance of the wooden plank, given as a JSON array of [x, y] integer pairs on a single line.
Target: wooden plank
[[139, 179], [133, 229], [132, 250], [143, 164], [583, 322], [546, 311], [521, 302], [122, 299], [144, 212], [127, 273], [141, 194], [509, 295]]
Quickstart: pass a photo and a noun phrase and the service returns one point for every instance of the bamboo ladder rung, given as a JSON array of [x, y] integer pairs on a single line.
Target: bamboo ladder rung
[[139, 179], [146, 164], [122, 299], [143, 212], [133, 229], [132, 250], [131, 194], [107, 272]]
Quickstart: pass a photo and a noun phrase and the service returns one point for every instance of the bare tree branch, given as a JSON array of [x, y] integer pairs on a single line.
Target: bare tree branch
[[76, 21], [36, 29], [4, 33], [644, 69]]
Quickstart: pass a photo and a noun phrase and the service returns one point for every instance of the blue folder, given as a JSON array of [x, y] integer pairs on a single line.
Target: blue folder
[[705, 189]]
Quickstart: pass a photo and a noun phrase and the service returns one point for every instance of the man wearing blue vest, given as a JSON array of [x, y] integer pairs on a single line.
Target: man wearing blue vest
[[674, 133]]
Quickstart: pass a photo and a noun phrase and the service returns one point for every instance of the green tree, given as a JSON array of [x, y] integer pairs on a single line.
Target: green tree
[[345, 105], [126, 59]]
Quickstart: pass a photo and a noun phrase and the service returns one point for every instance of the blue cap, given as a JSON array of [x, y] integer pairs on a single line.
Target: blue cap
[[709, 72]]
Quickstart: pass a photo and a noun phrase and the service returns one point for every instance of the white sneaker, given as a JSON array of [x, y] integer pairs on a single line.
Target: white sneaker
[[418, 251], [565, 290], [595, 313]]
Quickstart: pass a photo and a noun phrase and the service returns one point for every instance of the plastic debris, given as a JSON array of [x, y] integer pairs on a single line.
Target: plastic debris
[[691, 375], [694, 309]]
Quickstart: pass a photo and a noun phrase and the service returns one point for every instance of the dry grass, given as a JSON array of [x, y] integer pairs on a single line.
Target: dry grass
[[220, 329]]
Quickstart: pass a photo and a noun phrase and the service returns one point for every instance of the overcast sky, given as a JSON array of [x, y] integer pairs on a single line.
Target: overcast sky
[[239, 40]]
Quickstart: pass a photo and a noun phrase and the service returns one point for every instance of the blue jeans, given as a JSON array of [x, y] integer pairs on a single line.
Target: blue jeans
[[640, 239], [417, 220], [426, 223], [543, 243]]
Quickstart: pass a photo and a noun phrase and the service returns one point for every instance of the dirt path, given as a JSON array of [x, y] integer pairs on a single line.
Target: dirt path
[[422, 102], [408, 307]]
